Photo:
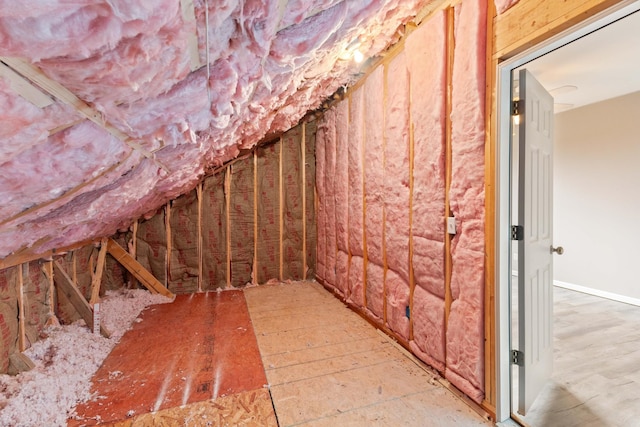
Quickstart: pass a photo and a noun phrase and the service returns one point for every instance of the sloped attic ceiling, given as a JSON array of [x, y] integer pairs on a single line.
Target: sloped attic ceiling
[[144, 96]]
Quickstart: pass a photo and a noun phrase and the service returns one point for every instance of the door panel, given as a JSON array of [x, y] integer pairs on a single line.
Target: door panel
[[535, 278]]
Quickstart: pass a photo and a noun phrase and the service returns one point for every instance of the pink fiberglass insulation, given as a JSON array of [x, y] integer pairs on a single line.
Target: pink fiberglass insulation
[[397, 167], [374, 165], [356, 184], [428, 328], [356, 281], [321, 227], [56, 165], [330, 201], [375, 290], [342, 273], [24, 125], [465, 338], [426, 54], [397, 303], [262, 66], [341, 192]]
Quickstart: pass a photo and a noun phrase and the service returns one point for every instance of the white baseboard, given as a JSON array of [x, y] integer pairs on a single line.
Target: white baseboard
[[597, 292]]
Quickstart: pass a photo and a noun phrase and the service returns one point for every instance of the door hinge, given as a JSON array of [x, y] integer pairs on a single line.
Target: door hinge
[[516, 107], [517, 232], [517, 357]]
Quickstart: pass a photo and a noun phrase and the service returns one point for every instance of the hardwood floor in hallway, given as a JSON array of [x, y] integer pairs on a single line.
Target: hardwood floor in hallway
[[596, 380]]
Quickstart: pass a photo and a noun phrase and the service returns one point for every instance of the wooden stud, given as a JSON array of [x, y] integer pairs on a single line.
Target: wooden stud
[[22, 341], [167, 260], [303, 169], [254, 278], [385, 267], [447, 186], [490, 368], [133, 250], [281, 204], [365, 252], [74, 265], [24, 88], [227, 192], [189, 16], [147, 279], [69, 289], [47, 269], [96, 276], [65, 126], [412, 280], [199, 242]]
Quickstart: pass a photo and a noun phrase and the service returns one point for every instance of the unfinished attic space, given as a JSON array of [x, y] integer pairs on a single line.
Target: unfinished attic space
[[235, 212]]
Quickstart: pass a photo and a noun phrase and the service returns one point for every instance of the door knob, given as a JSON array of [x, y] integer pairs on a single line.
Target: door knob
[[559, 250]]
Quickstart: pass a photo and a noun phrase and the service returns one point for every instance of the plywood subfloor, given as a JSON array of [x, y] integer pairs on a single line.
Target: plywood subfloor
[[199, 348], [596, 379], [326, 366]]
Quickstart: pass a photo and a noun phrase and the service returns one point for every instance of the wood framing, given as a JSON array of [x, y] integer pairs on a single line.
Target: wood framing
[[69, 289], [167, 228], [134, 267], [529, 22], [96, 276], [34, 74], [24, 88], [303, 173], [199, 236], [450, 49], [22, 342]]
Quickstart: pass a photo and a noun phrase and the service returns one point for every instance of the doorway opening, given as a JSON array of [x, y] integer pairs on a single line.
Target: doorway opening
[[508, 379]]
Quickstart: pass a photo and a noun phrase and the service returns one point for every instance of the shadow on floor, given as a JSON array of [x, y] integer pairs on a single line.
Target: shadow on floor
[[561, 408]]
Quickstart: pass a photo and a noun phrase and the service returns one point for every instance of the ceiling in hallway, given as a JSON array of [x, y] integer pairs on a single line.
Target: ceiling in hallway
[[602, 65]]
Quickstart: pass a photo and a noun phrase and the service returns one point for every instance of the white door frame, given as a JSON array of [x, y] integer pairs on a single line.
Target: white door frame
[[503, 191]]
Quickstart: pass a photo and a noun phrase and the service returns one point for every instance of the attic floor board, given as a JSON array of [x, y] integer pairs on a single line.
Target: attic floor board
[[198, 348], [327, 366]]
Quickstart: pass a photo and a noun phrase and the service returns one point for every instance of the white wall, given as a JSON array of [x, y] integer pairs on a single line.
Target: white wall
[[597, 196]]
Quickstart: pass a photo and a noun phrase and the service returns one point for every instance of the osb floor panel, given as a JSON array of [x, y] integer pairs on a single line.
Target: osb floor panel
[[198, 348], [249, 408], [596, 381], [327, 366]]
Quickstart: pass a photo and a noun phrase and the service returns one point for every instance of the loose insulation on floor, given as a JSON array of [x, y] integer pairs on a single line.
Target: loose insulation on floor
[[66, 357]]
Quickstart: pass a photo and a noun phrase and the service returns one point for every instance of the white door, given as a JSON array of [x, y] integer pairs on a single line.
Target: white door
[[535, 278]]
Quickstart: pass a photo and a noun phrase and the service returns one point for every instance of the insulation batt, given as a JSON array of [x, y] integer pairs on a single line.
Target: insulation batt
[[426, 53], [397, 303], [321, 245], [356, 281], [267, 66], [330, 188], [397, 168], [465, 339], [342, 273], [356, 184], [342, 183], [374, 164]]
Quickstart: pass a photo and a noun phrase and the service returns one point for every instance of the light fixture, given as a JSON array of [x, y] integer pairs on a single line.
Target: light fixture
[[358, 57]]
